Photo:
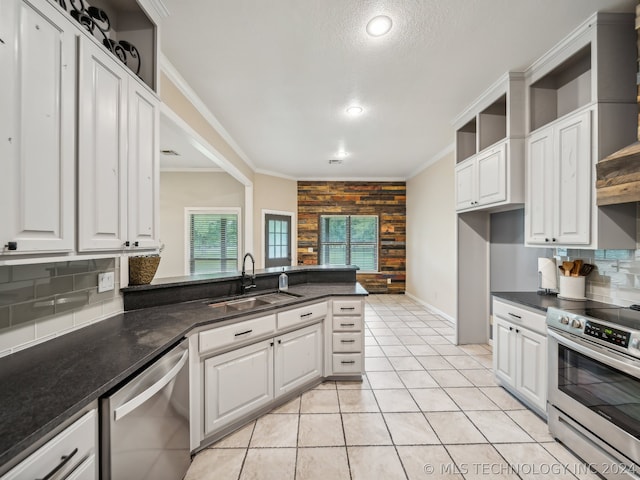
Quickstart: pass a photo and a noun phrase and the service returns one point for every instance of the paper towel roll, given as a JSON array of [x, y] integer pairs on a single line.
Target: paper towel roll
[[548, 273]]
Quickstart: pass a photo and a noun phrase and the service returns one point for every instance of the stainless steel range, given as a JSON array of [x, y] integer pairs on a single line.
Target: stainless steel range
[[594, 386]]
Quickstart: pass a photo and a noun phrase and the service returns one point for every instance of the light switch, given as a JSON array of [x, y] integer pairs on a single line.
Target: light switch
[[105, 281]]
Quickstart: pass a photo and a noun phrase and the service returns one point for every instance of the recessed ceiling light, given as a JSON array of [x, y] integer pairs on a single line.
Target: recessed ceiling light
[[354, 110], [379, 25], [341, 154]]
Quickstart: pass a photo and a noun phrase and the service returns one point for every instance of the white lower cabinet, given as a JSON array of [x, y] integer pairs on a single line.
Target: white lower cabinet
[[237, 383], [520, 353], [242, 381], [298, 358], [72, 454]]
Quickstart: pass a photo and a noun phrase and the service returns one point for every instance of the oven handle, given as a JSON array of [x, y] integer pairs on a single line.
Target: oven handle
[[622, 364], [138, 400]]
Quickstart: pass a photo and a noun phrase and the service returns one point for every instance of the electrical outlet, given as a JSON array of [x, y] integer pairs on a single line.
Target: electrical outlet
[[388, 281], [105, 281], [310, 249]]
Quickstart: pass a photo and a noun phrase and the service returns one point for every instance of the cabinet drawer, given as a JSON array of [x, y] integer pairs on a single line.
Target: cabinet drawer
[[347, 307], [221, 337], [521, 316], [347, 363], [346, 324], [302, 315], [347, 342], [77, 443]]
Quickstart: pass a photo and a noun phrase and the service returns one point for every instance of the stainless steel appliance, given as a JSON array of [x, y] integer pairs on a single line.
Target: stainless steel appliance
[[594, 386], [145, 424]]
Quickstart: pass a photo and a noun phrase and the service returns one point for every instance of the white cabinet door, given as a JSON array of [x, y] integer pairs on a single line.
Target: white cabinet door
[[541, 188], [504, 353], [298, 358], [37, 127], [237, 383], [531, 378], [102, 150], [143, 158], [492, 175], [465, 184], [572, 147]]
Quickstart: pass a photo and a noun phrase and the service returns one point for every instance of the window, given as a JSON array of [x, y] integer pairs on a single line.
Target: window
[[212, 244], [349, 240]]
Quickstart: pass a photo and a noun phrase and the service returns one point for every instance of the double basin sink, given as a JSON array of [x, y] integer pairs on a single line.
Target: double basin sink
[[248, 303]]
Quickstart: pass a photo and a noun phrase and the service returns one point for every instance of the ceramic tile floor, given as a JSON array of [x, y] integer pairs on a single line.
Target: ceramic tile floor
[[427, 409]]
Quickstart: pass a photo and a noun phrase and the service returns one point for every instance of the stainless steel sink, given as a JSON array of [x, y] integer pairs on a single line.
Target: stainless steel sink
[[249, 303]]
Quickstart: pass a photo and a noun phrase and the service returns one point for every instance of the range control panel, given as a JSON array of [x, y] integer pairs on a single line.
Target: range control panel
[[608, 334]]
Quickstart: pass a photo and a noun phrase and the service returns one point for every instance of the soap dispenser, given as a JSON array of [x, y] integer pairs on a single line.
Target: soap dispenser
[[283, 281]]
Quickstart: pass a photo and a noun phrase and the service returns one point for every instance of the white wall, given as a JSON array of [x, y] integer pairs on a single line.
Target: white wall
[[431, 236], [186, 189]]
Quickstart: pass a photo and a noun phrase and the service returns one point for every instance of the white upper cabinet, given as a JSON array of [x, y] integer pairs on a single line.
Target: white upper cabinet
[[118, 156], [37, 128], [102, 150], [581, 106], [559, 178], [144, 167], [490, 148]]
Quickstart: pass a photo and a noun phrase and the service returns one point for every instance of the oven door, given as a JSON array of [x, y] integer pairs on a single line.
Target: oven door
[[598, 388]]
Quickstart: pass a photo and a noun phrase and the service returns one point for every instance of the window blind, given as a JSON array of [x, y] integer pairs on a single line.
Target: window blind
[[349, 240], [213, 242]]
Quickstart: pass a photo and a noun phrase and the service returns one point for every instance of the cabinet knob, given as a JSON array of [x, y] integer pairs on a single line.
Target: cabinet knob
[[471, 203], [553, 239], [546, 239], [11, 246], [136, 244], [127, 243], [2, 41], [511, 329]]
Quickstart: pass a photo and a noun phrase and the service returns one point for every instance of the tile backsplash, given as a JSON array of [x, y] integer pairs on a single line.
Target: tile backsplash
[[616, 278], [41, 301]]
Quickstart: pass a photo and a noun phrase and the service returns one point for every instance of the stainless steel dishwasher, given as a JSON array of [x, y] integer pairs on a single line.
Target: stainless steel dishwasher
[[145, 424]]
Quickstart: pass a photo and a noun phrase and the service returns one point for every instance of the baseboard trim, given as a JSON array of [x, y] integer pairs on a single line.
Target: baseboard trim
[[436, 310]]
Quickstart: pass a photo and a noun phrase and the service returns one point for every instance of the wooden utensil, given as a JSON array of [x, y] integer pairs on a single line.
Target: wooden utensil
[[577, 266], [567, 268]]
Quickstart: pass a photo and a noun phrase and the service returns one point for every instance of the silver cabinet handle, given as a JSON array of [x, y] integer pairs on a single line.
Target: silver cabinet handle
[[63, 461], [138, 400]]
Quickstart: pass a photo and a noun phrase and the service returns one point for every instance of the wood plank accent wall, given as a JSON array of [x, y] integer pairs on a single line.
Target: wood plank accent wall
[[385, 199]]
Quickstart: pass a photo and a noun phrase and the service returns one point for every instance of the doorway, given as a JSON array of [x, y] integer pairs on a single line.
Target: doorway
[[277, 240]]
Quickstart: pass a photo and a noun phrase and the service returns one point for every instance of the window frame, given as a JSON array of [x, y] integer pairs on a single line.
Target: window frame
[[348, 240], [188, 211]]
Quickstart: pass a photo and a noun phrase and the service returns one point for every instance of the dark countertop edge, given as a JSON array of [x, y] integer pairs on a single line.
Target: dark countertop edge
[[541, 302], [34, 437], [224, 277]]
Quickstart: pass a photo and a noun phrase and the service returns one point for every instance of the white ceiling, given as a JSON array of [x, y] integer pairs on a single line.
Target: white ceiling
[[279, 74]]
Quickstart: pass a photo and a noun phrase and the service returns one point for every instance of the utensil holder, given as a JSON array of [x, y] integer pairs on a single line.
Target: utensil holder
[[572, 288]]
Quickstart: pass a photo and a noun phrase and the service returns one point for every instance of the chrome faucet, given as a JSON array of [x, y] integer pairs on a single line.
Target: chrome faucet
[[252, 284]]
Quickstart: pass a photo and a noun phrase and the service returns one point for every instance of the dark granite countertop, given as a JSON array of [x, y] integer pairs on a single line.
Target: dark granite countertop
[[542, 302], [225, 277], [44, 385]]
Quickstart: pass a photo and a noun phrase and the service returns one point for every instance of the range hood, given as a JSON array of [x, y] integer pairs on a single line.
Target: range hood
[[618, 175]]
